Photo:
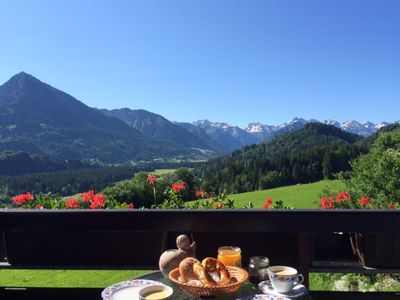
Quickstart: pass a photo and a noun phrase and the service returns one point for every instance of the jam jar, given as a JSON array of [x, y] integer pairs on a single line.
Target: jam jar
[[258, 269]]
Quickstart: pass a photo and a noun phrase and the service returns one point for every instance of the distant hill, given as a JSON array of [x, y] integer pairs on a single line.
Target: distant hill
[[158, 127], [309, 154], [17, 163], [312, 135]]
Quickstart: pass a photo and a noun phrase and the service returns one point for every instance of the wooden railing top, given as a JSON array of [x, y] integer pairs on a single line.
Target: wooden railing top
[[239, 220]]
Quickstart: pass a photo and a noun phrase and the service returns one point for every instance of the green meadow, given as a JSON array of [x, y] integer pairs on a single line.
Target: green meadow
[[65, 278], [160, 172], [297, 196]]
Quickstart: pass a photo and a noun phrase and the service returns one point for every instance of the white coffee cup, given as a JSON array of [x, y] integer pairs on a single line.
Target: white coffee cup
[[284, 279]]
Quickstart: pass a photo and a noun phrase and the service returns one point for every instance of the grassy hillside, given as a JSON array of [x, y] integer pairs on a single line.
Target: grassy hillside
[[159, 172], [298, 196]]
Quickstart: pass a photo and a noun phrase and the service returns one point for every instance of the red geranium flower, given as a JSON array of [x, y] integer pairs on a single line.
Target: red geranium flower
[[199, 194], [219, 205], [72, 203], [151, 179], [88, 196], [267, 203], [327, 203], [98, 201], [365, 201], [391, 206], [343, 196], [22, 198], [38, 206], [178, 187]]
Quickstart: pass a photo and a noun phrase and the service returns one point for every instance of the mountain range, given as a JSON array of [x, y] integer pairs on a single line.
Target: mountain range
[[266, 132], [40, 119]]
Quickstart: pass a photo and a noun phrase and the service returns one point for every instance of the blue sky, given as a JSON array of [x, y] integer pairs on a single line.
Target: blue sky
[[233, 61]]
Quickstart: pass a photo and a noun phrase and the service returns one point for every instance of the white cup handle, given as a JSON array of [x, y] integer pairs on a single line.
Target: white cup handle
[[300, 279]]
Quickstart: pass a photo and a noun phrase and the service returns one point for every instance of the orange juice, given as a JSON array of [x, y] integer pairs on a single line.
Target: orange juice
[[230, 256]]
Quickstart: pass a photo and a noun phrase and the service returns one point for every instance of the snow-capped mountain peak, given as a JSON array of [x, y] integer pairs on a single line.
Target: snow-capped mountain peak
[[256, 127], [202, 123], [293, 122], [350, 124], [221, 125], [331, 122], [218, 125], [380, 125]]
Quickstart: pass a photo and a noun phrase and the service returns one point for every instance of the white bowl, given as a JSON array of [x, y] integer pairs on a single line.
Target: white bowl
[[146, 291]]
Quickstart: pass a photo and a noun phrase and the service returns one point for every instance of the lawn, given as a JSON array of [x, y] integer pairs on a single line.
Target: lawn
[[297, 196], [65, 278], [160, 172]]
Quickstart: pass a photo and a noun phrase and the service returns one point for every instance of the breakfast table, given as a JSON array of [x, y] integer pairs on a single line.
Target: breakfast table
[[246, 292]]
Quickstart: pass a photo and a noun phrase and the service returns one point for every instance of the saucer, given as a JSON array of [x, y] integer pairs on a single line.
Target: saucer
[[297, 291]]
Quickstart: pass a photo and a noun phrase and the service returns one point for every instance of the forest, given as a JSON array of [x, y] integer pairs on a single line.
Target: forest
[[310, 154]]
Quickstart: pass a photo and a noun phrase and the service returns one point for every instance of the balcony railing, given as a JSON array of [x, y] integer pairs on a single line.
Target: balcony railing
[[134, 239]]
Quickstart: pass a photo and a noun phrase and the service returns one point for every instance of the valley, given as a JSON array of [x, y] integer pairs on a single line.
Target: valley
[[50, 142]]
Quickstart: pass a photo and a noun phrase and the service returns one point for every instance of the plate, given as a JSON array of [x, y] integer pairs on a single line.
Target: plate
[[126, 290], [298, 291]]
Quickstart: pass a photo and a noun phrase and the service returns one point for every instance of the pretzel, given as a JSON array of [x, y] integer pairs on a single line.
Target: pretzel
[[203, 275], [216, 269], [209, 272]]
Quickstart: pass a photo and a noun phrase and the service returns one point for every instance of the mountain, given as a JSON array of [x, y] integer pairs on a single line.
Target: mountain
[[158, 127], [203, 136], [266, 132], [231, 137], [261, 132], [304, 155], [39, 119]]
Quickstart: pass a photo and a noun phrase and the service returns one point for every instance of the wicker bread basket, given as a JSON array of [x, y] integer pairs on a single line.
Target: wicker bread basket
[[209, 290]]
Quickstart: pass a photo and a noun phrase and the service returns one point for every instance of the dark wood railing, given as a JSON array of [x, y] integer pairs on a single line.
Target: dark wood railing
[[134, 239]]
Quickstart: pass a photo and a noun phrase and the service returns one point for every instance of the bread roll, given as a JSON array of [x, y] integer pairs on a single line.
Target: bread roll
[[186, 269]]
